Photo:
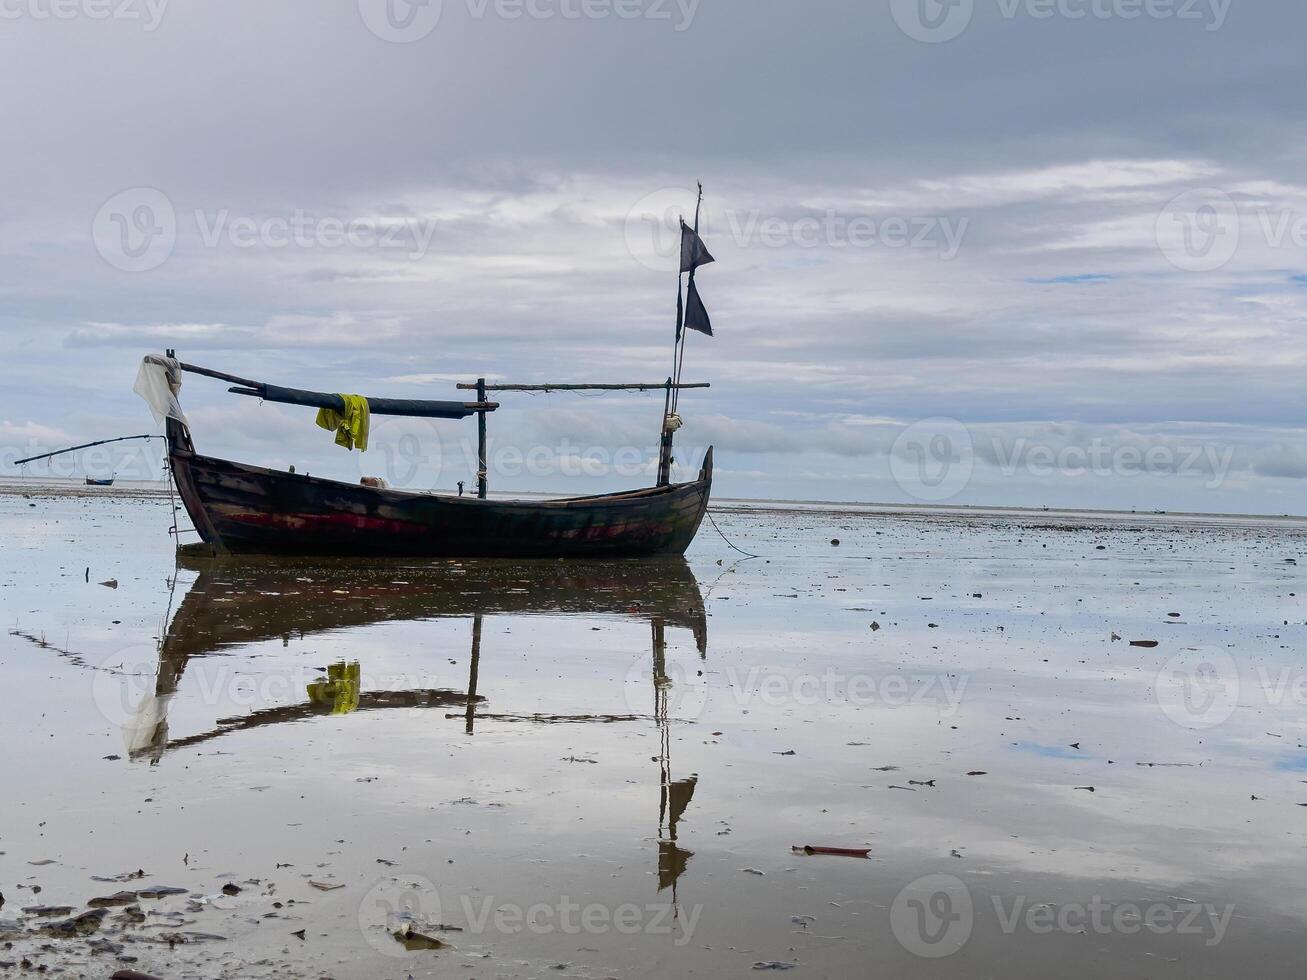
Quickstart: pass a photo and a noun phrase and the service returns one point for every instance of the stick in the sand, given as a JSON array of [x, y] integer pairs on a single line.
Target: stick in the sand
[[852, 852]]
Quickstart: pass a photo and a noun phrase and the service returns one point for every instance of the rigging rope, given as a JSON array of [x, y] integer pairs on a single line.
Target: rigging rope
[[708, 514]]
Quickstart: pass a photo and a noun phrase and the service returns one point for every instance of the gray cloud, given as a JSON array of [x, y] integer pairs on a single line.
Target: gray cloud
[[514, 152]]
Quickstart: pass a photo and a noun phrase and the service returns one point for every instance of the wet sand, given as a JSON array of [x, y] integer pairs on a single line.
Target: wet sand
[[601, 770]]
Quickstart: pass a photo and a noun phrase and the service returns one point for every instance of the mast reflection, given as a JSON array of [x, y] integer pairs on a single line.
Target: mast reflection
[[245, 601]]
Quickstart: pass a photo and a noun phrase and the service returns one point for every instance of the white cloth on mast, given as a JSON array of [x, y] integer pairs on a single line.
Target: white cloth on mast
[[158, 381]]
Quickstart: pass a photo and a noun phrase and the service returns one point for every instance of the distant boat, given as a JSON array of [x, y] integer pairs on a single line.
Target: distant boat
[[92, 482]]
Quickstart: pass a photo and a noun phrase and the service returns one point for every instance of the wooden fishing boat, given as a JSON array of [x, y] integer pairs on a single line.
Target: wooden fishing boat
[[241, 508], [244, 509], [92, 482]]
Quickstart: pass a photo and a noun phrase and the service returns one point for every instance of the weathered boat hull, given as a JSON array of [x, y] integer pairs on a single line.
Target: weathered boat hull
[[243, 509]]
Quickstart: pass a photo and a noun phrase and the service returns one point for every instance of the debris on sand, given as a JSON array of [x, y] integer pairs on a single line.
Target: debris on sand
[[112, 901], [78, 925], [858, 852], [161, 891], [413, 940], [125, 876]]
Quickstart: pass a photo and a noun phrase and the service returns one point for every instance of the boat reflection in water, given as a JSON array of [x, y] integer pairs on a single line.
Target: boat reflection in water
[[236, 602]]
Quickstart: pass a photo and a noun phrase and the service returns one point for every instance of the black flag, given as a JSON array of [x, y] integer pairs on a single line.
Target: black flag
[[693, 252], [696, 317]]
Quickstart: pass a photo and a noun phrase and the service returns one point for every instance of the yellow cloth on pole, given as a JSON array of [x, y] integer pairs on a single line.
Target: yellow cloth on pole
[[351, 426]]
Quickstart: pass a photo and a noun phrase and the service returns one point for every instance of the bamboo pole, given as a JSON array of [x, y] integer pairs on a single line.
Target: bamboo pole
[[481, 441], [636, 386], [85, 445], [473, 671], [665, 442]]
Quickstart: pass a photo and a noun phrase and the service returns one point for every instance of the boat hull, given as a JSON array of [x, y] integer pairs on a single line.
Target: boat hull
[[243, 509]]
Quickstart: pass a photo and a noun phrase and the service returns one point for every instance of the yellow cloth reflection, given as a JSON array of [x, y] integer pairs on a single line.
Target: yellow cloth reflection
[[340, 691]]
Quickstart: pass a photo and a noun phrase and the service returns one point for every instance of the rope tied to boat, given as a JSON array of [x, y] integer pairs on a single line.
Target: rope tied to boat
[[708, 514]]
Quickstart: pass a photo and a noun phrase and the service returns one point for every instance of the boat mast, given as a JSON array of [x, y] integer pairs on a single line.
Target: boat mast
[[670, 420]]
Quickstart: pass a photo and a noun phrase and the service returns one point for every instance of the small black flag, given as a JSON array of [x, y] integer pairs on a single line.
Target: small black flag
[[693, 251], [696, 317]]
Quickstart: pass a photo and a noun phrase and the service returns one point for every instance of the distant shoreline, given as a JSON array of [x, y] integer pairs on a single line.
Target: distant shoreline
[[35, 487]]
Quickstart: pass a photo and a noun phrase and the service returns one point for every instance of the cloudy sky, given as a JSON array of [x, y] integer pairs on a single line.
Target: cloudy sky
[[1013, 252]]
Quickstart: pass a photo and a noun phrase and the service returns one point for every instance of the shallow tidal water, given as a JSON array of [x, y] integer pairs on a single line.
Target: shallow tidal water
[[601, 770]]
